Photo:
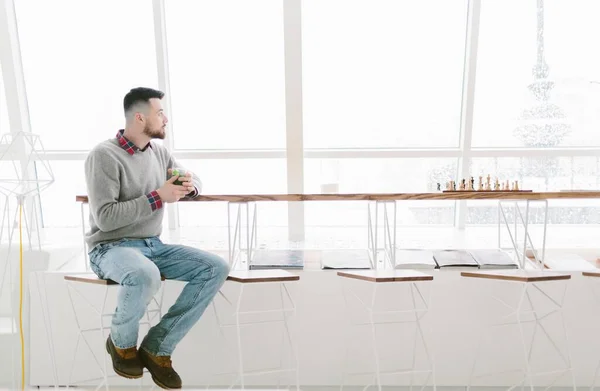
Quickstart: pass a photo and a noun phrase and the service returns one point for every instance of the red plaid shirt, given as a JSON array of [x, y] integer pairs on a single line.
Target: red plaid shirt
[[131, 148], [153, 197]]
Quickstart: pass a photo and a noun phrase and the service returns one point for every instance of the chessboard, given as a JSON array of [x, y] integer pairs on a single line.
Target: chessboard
[[487, 191], [468, 185]]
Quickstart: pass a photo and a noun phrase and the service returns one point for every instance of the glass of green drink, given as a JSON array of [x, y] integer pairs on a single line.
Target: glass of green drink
[[180, 172]]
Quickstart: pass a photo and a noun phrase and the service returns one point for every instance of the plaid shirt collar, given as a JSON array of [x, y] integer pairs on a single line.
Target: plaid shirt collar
[[127, 145]]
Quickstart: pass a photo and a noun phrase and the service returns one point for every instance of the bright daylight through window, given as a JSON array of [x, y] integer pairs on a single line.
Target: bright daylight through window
[[227, 73], [538, 87], [383, 97]]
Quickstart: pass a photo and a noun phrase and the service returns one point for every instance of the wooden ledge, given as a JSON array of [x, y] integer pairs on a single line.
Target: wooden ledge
[[251, 276], [91, 278], [591, 274], [518, 275], [387, 275], [459, 195]]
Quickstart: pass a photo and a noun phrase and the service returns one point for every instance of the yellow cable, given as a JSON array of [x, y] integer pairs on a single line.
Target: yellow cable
[[21, 298]]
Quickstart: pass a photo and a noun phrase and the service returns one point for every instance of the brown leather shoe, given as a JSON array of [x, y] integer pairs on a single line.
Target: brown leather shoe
[[126, 362], [161, 369]]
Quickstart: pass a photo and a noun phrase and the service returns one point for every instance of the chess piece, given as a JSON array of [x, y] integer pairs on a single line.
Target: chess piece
[[438, 187], [480, 183], [497, 185], [447, 185], [516, 185], [472, 184], [488, 184], [463, 184], [507, 185]]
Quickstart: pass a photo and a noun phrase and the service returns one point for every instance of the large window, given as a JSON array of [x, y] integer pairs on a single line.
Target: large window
[[378, 176], [543, 174], [79, 59], [235, 176], [538, 87], [383, 83], [535, 80], [227, 73], [59, 208], [382, 73]]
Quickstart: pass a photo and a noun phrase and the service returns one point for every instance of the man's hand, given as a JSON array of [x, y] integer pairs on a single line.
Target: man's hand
[[185, 180], [170, 192]]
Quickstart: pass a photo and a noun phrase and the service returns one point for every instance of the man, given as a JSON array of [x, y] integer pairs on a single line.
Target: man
[[128, 181]]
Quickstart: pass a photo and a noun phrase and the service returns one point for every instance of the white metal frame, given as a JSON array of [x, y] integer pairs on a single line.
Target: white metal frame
[[242, 233], [154, 308], [242, 239], [86, 257], [285, 312], [468, 101], [382, 257], [292, 41], [517, 313], [417, 299], [539, 254]]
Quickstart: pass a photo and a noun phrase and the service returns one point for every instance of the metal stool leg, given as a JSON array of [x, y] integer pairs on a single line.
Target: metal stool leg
[[241, 373], [102, 314], [518, 313], [415, 311], [71, 289]]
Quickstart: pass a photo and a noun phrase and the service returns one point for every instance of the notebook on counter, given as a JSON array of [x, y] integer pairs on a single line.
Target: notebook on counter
[[415, 259], [277, 259], [345, 259], [493, 259], [454, 259]]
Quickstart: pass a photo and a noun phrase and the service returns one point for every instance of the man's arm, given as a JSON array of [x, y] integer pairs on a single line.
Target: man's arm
[[103, 184]]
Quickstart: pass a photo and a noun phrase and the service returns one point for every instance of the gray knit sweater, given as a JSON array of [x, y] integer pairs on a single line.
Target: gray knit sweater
[[121, 183]]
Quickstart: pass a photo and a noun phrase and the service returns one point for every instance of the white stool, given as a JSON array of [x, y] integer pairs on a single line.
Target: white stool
[[262, 277], [73, 282], [527, 282], [420, 307]]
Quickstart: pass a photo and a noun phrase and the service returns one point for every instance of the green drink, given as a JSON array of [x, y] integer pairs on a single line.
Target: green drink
[[178, 172]]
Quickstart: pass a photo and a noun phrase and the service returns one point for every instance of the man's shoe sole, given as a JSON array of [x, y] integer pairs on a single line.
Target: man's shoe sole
[[162, 385], [118, 372], [157, 382]]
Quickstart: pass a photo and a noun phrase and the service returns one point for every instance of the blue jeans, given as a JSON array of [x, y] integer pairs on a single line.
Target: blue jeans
[[137, 265]]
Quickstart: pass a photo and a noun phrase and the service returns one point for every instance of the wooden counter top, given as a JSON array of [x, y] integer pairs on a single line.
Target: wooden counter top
[[484, 195]]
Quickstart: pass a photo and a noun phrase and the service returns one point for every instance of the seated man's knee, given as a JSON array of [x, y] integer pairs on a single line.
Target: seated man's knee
[[221, 268], [147, 277]]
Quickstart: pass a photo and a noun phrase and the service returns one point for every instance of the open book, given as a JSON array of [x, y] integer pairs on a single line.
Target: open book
[[415, 259], [493, 259], [454, 259]]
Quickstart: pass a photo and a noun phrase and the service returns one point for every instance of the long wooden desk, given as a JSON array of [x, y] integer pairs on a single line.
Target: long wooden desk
[[483, 195], [383, 255]]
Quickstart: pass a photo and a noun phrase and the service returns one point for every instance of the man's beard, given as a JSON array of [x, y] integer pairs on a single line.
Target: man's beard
[[153, 134]]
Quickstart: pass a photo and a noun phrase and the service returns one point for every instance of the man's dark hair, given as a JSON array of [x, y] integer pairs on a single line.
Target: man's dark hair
[[140, 95]]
